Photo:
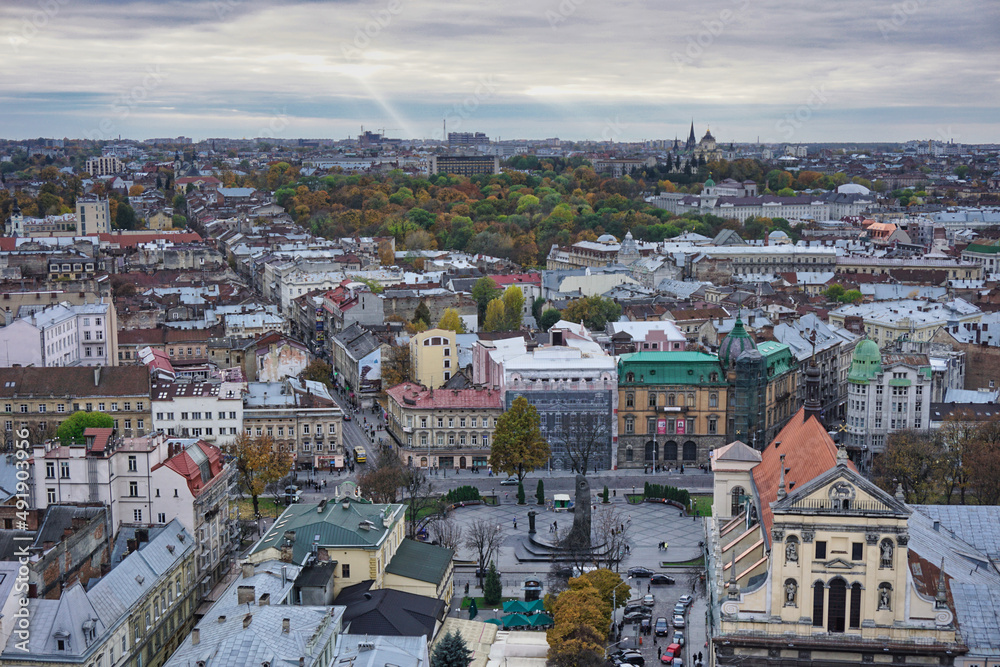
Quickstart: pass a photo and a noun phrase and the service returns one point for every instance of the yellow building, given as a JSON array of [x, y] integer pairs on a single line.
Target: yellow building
[[812, 563], [907, 319], [433, 357], [364, 539]]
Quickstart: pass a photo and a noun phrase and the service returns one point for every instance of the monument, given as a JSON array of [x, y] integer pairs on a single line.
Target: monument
[[579, 534]]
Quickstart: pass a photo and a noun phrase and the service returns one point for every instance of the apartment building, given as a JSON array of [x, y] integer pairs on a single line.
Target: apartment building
[[433, 357], [106, 165], [63, 335], [186, 408], [93, 216]]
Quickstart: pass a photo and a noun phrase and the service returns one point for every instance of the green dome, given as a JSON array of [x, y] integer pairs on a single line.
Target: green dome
[[734, 344], [866, 362], [709, 183]]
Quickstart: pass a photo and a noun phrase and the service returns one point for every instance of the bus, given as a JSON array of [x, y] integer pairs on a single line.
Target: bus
[[359, 454]]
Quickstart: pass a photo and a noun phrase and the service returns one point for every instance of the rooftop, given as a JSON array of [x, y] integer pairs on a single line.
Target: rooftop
[[411, 395]]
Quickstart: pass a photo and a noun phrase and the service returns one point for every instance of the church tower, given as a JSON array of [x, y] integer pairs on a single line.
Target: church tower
[[692, 143], [16, 225], [628, 252]]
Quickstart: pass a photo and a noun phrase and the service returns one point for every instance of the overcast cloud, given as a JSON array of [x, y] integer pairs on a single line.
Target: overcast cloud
[[780, 70]]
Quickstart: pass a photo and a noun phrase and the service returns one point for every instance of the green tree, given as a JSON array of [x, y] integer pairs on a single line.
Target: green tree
[[852, 296], [520, 493], [422, 314], [492, 588], [540, 492], [125, 217], [549, 317], [451, 321], [71, 431], [483, 291], [179, 221], [518, 445], [962, 171], [834, 292], [513, 302], [451, 651], [594, 311], [496, 316], [259, 463], [605, 494], [318, 371], [536, 309]]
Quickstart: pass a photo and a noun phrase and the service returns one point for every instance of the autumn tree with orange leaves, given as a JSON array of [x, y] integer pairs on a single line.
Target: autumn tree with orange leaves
[[259, 463]]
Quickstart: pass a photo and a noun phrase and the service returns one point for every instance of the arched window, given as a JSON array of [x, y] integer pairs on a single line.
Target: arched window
[[837, 607], [713, 400], [671, 400], [818, 590], [690, 451], [670, 451], [652, 451], [737, 493], [630, 377], [628, 453], [630, 400], [855, 605]]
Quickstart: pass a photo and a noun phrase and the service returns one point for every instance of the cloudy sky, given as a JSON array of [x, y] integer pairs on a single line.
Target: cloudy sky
[[780, 70]]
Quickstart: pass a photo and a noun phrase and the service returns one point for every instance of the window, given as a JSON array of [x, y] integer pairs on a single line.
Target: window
[[651, 400], [50, 469], [61, 407], [671, 400], [474, 422], [128, 406], [461, 422], [133, 489], [133, 463], [42, 408], [818, 591], [629, 425], [305, 429], [713, 425], [137, 516], [820, 549], [345, 571], [333, 428], [140, 423], [630, 400], [50, 495], [64, 469], [857, 551], [451, 422], [440, 422], [713, 400], [128, 424]]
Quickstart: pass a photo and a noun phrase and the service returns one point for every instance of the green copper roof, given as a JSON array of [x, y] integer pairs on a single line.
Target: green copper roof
[[986, 247], [734, 344], [866, 362], [709, 183], [777, 356], [655, 368]]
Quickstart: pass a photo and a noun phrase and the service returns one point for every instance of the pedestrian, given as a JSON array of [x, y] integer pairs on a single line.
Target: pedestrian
[[515, 524], [551, 528], [555, 525], [659, 651], [647, 588]]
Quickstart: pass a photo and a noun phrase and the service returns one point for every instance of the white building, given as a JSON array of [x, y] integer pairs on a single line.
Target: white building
[[93, 216], [105, 165], [211, 411], [63, 335]]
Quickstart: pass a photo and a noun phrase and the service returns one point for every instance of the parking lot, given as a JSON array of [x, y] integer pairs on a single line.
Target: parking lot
[[665, 597]]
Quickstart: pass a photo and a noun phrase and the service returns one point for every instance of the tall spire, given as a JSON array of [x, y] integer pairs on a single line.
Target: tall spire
[[734, 585], [781, 482], [941, 599]]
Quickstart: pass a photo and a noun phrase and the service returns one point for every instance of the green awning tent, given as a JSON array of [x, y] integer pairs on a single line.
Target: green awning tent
[[519, 607], [515, 621], [495, 621], [539, 620]]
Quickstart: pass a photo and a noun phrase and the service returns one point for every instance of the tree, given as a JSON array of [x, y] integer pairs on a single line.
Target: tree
[[513, 302], [834, 292], [594, 311], [518, 445], [852, 296], [580, 621], [536, 309], [484, 537], [71, 431], [492, 588], [586, 438], [483, 291], [422, 314], [982, 460], [418, 497], [136, 190], [540, 492], [496, 316], [259, 463], [447, 533], [549, 317], [125, 217], [451, 651], [909, 459], [520, 493], [380, 482], [614, 592], [318, 371], [607, 530], [451, 321], [396, 367]]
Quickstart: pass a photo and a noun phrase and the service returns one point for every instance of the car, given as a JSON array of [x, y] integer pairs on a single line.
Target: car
[[648, 600], [678, 638], [347, 417], [634, 605], [646, 626], [661, 580], [661, 627], [637, 616], [678, 621], [510, 481], [631, 657], [640, 572], [680, 609], [686, 600], [678, 662]]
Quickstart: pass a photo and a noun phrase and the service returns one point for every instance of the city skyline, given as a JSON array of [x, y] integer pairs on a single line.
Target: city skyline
[[771, 70]]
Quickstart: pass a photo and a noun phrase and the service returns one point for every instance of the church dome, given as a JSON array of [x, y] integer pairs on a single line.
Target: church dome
[[853, 189], [607, 238], [866, 362], [734, 344], [709, 183], [708, 136]]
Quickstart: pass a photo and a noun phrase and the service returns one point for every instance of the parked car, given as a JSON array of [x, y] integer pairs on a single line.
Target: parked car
[[672, 651], [510, 481], [636, 616], [347, 416], [680, 609], [686, 600], [678, 637], [662, 579], [640, 572], [648, 600], [678, 621], [634, 605], [661, 627], [678, 662], [646, 626], [629, 656]]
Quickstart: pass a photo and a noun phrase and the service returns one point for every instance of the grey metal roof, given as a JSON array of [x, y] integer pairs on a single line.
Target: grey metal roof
[[398, 651], [979, 525]]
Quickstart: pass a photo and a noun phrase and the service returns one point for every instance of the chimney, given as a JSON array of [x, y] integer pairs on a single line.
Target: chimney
[[285, 625], [246, 621], [97, 376], [195, 637], [47, 544], [79, 522], [222, 619], [302, 661], [781, 483], [248, 570], [67, 532], [937, 526], [265, 600], [245, 595]]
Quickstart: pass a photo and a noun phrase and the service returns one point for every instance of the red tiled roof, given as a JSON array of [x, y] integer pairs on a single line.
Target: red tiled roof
[[8, 243], [516, 278], [185, 466], [141, 337], [101, 437], [413, 395], [132, 240], [809, 451]]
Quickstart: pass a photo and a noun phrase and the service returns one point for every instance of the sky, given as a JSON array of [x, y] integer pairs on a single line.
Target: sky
[[770, 70]]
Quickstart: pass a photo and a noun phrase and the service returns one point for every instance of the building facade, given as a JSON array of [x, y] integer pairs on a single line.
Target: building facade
[[443, 428], [671, 408], [93, 216], [433, 357]]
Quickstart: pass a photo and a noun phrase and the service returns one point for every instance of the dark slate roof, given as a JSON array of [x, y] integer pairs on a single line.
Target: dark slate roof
[[60, 517], [389, 612], [74, 382], [316, 575], [10, 541], [421, 561]]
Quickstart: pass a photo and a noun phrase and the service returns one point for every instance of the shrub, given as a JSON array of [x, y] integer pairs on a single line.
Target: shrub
[[462, 494]]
